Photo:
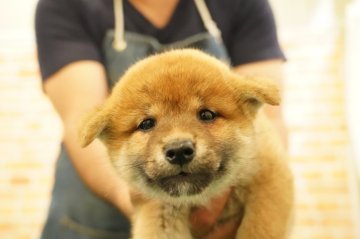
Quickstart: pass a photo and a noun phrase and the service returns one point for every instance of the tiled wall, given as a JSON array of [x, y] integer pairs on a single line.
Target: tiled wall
[[319, 146], [29, 128], [30, 132], [29, 135]]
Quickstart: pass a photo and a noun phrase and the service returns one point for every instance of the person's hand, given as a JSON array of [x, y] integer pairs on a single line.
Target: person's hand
[[224, 231], [203, 220]]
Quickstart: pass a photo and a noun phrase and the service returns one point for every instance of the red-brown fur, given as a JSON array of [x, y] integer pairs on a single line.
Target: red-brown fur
[[238, 149]]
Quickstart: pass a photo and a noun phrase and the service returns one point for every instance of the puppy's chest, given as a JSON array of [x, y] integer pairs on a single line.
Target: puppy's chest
[[233, 210], [174, 220]]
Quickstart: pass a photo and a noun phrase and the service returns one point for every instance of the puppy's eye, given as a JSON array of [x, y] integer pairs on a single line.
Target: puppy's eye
[[207, 115], [147, 124]]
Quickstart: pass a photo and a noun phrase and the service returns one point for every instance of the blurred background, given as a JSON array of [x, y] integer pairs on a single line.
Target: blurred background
[[321, 39]]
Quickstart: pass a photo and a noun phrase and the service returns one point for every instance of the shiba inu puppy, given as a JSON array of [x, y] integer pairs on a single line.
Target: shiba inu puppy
[[181, 127]]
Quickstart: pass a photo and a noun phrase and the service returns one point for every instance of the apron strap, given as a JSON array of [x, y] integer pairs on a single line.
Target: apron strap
[[119, 36], [209, 23]]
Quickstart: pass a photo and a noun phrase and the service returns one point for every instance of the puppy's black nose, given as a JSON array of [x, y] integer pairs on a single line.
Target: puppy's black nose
[[179, 152]]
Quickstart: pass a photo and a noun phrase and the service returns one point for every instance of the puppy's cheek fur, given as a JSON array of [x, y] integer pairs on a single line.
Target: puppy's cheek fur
[[139, 158], [206, 158], [243, 163], [236, 146], [130, 157]]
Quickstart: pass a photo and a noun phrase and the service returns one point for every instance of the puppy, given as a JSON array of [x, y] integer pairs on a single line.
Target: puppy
[[180, 127]]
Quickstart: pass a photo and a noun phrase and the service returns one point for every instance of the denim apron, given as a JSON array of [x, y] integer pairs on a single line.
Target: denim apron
[[76, 212]]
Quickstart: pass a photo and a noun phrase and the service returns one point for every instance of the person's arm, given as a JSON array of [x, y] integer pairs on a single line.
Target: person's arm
[[75, 90]]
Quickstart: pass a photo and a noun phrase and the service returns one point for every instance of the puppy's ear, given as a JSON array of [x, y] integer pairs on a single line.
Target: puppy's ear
[[252, 92], [93, 126]]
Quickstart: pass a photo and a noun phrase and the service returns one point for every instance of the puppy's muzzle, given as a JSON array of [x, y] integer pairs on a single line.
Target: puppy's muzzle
[[179, 152]]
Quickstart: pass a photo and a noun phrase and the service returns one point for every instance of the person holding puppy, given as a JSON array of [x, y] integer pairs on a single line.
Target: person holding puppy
[[85, 46]]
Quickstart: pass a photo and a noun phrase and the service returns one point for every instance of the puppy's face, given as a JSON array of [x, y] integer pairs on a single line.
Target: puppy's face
[[180, 125]]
